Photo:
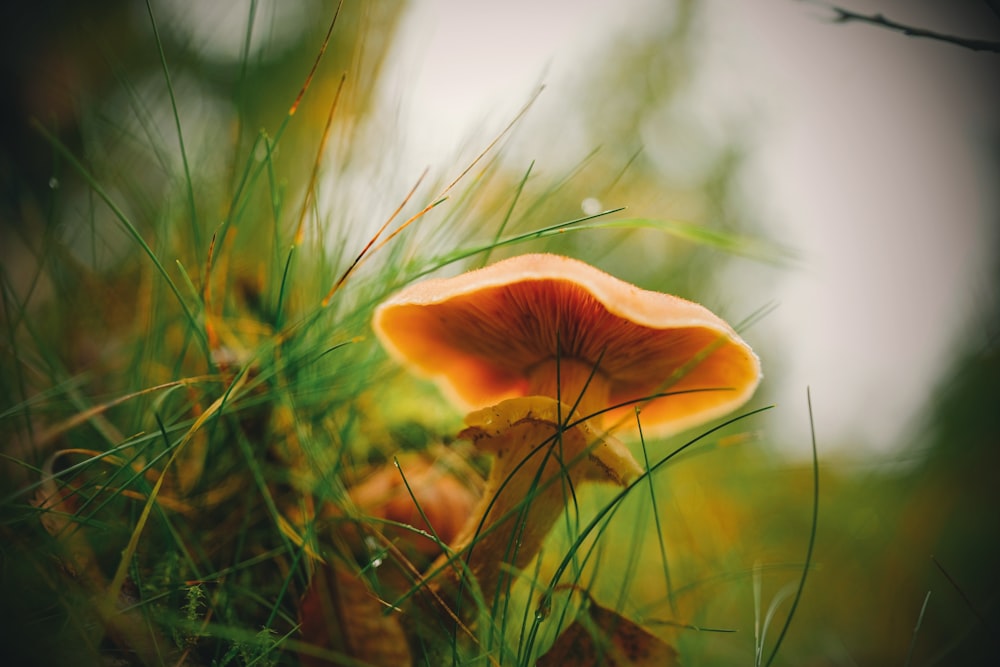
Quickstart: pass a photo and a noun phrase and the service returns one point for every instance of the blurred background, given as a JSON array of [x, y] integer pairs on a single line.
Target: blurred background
[[870, 155], [846, 175]]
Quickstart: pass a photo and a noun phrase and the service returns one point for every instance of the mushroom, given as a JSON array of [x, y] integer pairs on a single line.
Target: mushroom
[[552, 353], [549, 325]]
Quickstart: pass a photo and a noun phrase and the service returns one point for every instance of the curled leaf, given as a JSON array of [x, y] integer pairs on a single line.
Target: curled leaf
[[542, 452], [605, 458]]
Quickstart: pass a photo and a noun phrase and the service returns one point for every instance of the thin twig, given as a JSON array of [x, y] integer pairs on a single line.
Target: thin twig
[[847, 16]]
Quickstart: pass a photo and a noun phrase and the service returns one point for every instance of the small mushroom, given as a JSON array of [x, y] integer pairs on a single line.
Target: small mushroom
[[549, 325], [552, 353]]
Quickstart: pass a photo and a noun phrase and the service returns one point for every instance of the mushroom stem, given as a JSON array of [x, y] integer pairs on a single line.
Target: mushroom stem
[[524, 495], [571, 380], [504, 531]]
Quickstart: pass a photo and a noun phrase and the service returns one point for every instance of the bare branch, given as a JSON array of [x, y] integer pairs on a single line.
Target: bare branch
[[842, 15]]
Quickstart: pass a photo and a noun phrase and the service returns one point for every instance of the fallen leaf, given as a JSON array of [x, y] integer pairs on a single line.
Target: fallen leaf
[[600, 636], [342, 617], [419, 492], [120, 616]]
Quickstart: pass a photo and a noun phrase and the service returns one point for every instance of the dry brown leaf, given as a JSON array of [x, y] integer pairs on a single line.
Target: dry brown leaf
[[341, 616], [58, 505], [119, 616], [394, 492], [600, 636]]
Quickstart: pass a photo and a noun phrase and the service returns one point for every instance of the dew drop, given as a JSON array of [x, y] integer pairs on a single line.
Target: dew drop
[[372, 546], [544, 608], [591, 206], [260, 152]]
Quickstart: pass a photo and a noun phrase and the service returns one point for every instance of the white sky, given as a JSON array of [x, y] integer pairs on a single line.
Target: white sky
[[870, 158]]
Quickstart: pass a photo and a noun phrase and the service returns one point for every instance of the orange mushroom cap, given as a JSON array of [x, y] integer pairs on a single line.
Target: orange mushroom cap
[[484, 335]]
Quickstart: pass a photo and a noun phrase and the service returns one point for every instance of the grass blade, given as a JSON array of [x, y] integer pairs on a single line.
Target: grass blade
[[812, 535]]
